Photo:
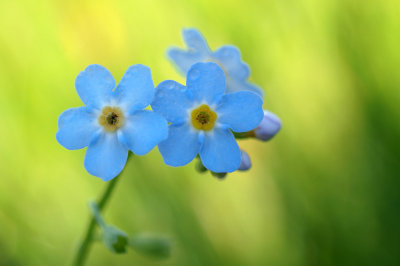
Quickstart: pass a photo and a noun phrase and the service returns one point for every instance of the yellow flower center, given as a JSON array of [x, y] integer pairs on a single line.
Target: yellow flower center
[[203, 118], [111, 118]]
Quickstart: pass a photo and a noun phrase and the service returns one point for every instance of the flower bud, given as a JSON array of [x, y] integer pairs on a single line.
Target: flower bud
[[114, 239], [151, 245], [269, 126], [200, 167], [219, 175], [245, 164]]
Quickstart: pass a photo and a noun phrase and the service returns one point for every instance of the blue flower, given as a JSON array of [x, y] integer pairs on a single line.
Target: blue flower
[[202, 117], [112, 121], [227, 57]]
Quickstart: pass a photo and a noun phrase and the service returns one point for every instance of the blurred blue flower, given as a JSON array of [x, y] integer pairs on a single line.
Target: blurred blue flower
[[201, 116], [269, 126], [112, 121], [228, 57]]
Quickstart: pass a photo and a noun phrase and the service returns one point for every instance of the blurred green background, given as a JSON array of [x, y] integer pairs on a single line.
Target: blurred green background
[[325, 191]]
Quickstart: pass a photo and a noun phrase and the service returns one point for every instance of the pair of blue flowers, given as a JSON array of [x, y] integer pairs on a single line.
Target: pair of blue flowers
[[186, 120]]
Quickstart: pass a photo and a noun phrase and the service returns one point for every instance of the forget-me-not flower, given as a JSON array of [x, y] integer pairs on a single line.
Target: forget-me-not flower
[[202, 117], [112, 121], [228, 57]]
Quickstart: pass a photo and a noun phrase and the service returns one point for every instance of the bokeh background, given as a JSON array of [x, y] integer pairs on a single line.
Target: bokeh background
[[325, 191]]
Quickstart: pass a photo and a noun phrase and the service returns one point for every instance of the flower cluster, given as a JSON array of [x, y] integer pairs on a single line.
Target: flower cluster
[[202, 119]]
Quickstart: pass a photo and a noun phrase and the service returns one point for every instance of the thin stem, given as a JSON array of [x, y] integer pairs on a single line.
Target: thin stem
[[96, 214], [84, 247]]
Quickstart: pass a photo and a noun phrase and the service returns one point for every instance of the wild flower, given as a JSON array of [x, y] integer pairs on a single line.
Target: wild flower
[[113, 121], [202, 116]]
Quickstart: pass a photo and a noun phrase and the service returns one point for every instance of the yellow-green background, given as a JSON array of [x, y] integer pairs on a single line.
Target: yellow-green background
[[325, 191]]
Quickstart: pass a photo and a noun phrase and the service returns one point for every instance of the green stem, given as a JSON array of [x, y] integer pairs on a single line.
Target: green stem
[[84, 247], [96, 214], [244, 135]]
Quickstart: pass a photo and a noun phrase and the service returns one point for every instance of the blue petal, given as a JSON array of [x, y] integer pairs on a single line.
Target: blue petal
[[230, 59], [105, 156], [233, 85], [241, 111], [143, 131], [171, 101], [136, 89], [181, 146], [195, 41], [206, 82], [183, 60], [76, 127], [220, 152], [94, 85]]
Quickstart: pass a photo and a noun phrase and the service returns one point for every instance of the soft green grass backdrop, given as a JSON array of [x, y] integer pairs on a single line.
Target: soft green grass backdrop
[[325, 191]]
